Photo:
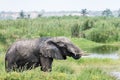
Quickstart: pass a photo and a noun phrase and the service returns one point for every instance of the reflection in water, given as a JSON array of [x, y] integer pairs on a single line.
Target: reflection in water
[[95, 55], [105, 49]]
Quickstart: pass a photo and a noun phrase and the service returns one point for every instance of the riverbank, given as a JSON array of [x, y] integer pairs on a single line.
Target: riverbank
[[87, 45]]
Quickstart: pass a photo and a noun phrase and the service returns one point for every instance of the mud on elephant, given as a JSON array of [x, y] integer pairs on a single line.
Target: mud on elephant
[[31, 53]]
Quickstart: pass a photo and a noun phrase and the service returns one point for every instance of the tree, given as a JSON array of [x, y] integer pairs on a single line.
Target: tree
[[28, 15], [39, 15], [22, 15], [84, 12], [118, 13], [107, 13]]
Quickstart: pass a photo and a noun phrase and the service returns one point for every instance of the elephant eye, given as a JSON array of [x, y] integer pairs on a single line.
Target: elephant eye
[[76, 51], [61, 44], [58, 42]]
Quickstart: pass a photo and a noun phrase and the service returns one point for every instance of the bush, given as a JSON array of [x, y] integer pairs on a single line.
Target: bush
[[87, 24], [103, 34]]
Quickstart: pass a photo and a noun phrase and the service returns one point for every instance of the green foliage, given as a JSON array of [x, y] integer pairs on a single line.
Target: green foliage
[[97, 29], [87, 24], [75, 30], [2, 39], [84, 12], [22, 14], [103, 32]]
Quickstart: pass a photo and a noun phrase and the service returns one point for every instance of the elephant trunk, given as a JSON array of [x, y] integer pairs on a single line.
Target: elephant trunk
[[74, 51], [77, 56]]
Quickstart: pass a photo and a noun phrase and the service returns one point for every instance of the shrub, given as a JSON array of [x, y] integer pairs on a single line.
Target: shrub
[[89, 23], [103, 34]]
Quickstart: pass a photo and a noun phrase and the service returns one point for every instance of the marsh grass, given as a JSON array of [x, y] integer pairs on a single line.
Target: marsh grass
[[94, 74], [85, 45], [64, 69], [87, 69]]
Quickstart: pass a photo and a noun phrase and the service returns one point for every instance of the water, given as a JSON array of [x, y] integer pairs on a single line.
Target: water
[[104, 51], [102, 56]]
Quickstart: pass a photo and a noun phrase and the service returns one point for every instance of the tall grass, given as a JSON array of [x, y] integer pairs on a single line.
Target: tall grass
[[96, 29], [104, 32], [94, 74], [87, 69]]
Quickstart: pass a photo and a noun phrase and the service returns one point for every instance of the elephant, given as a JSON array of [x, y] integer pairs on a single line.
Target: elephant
[[26, 54]]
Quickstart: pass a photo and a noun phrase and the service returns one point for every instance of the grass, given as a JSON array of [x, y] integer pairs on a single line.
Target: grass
[[83, 69], [70, 69], [94, 74], [84, 44]]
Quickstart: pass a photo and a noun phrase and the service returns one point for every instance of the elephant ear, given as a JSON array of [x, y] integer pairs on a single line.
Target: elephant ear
[[48, 49]]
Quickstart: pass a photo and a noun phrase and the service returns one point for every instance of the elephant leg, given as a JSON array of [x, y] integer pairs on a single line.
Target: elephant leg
[[10, 63], [46, 63], [32, 65], [26, 65], [9, 66]]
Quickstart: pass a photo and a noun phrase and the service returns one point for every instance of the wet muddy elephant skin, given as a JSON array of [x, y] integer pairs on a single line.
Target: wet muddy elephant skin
[[31, 53]]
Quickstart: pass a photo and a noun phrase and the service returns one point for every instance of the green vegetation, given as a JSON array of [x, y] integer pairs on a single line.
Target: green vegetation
[[86, 32], [88, 69], [75, 30], [99, 29]]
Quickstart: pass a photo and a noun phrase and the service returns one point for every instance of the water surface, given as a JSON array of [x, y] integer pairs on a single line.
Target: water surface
[[104, 51], [102, 56]]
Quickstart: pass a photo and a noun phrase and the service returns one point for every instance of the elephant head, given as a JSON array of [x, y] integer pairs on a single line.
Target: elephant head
[[59, 48]]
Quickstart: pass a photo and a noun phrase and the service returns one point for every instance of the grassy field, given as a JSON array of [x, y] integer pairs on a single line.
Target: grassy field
[[83, 69], [89, 34]]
